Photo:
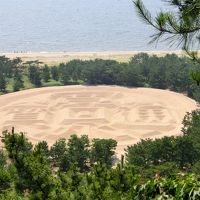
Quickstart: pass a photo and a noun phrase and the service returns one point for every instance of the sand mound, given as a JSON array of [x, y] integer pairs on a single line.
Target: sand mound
[[100, 112]]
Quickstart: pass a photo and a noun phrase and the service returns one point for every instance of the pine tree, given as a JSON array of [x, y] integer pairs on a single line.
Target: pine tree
[[34, 75], [46, 73], [18, 83], [2, 82], [55, 73], [181, 26]]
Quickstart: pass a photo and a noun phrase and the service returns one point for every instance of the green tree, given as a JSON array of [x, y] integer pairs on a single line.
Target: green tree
[[58, 150], [55, 73], [5, 180], [18, 83], [2, 82], [46, 73], [16, 144], [147, 153], [34, 72], [3, 159], [191, 122], [17, 67], [78, 151], [64, 74], [34, 174], [186, 153], [42, 148], [181, 25], [34, 75], [139, 154], [103, 151], [142, 62], [5, 176], [6, 66], [157, 78]]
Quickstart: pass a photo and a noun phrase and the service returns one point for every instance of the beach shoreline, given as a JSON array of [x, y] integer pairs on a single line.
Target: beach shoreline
[[53, 58]]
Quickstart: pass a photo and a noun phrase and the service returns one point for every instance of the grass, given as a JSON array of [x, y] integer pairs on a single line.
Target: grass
[[9, 86], [51, 83], [29, 85]]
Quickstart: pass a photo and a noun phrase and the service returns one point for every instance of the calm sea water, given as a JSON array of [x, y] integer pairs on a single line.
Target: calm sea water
[[74, 25]]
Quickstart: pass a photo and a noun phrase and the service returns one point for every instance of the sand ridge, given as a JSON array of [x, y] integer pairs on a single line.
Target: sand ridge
[[123, 114]]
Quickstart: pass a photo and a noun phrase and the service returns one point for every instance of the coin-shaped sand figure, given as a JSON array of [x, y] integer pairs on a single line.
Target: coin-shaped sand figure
[[123, 114]]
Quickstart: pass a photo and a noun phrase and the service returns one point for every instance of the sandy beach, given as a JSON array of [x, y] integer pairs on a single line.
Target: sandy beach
[[53, 58], [123, 114]]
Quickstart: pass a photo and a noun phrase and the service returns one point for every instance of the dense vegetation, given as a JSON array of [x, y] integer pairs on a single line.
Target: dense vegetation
[[169, 154], [166, 168], [179, 26], [169, 72]]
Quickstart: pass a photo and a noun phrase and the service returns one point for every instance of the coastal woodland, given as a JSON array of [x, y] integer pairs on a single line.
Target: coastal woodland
[[77, 168], [169, 72]]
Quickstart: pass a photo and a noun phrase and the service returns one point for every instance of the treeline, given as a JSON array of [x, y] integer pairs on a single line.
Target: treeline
[[169, 155], [169, 72], [82, 170], [11, 69]]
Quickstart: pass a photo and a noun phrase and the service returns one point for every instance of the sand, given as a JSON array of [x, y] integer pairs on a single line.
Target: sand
[[53, 58], [123, 114]]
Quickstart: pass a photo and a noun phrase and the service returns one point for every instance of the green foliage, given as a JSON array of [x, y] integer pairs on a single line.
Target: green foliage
[[2, 82], [196, 168], [3, 159], [42, 149], [184, 150], [191, 122], [55, 73], [46, 73], [5, 180], [167, 170], [64, 73], [168, 72], [30, 175], [180, 150], [11, 195], [78, 151], [16, 144], [18, 83], [34, 75], [57, 151], [180, 26], [138, 154], [34, 174], [103, 151], [181, 187], [186, 153]]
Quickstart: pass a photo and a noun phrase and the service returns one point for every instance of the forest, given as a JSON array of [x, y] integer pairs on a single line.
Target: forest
[[169, 72]]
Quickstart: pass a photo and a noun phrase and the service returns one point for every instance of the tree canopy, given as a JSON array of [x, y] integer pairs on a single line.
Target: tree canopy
[[180, 26]]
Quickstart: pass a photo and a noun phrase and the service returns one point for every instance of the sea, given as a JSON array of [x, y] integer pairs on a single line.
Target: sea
[[76, 26]]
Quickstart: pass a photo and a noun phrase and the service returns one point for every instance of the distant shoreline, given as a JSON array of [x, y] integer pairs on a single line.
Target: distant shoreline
[[54, 58]]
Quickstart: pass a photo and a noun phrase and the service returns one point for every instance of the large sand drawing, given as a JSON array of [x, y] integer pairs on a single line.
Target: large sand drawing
[[100, 112]]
